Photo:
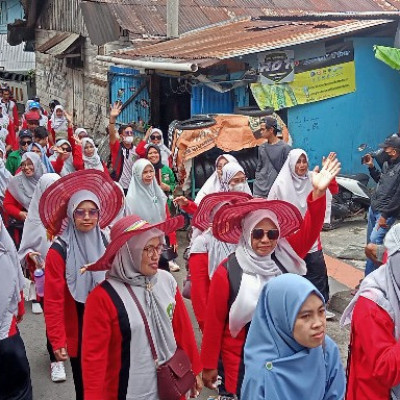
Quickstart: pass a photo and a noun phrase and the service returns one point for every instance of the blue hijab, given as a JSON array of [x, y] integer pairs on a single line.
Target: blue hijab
[[277, 367], [45, 160]]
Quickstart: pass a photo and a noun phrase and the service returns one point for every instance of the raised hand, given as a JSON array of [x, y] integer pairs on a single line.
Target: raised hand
[[322, 178], [115, 110]]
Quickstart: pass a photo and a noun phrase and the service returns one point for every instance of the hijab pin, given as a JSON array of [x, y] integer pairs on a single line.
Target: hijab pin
[[149, 286], [269, 365]]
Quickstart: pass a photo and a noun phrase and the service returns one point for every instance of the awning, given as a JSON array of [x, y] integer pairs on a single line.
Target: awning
[[62, 45]]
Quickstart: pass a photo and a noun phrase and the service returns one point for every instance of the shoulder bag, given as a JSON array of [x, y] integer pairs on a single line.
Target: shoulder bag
[[175, 377]]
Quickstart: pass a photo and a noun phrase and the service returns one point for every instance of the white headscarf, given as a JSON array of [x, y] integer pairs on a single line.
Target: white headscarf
[[126, 268], [20, 186], [82, 248], [68, 166], [165, 151], [93, 162], [146, 201], [228, 172], [294, 188], [213, 183], [59, 124], [257, 270], [34, 236], [382, 286], [12, 280], [5, 174]]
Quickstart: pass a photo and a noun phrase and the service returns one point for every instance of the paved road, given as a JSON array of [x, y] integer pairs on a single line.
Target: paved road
[[32, 329]]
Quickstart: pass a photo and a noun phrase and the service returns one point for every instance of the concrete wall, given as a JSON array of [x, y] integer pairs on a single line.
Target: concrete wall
[[82, 91], [366, 116]]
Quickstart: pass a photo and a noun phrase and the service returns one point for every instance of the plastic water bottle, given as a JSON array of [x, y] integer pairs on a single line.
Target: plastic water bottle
[[39, 281]]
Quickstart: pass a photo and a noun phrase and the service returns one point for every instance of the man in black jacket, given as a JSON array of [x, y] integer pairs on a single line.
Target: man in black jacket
[[385, 202]]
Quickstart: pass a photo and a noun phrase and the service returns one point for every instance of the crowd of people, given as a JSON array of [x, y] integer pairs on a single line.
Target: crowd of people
[[93, 243]]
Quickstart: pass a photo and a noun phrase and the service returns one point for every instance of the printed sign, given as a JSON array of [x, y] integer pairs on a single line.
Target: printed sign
[[276, 66]]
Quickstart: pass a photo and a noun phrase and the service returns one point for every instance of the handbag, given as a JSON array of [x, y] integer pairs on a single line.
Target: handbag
[[175, 377]]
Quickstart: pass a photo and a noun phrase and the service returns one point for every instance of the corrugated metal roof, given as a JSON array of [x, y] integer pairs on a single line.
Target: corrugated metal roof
[[14, 58], [58, 44], [148, 17], [245, 37]]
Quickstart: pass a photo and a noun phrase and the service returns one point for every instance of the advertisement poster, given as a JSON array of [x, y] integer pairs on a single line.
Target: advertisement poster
[[276, 66], [315, 79]]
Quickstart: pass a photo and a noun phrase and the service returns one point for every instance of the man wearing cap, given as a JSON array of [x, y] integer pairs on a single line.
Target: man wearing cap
[[385, 201], [271, 156], [14, 158]]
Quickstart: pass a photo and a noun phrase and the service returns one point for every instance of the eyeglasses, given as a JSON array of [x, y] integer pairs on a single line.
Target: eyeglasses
[[81, 213], [152, 250], [258, 234], [128, 133], [155, 137], [25, 142], [66, 149]]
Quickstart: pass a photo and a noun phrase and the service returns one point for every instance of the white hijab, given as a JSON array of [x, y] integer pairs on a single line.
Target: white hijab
[[20, 186], [82, 248], [213, 183], [34, 236], [93, 162], [68, 166], [228, 172], [293, 188], [165, 151], [146, 201], [257, 270], [59, 124]]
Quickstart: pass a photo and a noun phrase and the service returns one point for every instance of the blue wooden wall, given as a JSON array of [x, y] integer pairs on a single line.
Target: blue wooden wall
[[340, 124]]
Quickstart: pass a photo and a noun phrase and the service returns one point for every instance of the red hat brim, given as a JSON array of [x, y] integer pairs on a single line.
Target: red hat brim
[[227, 224], [126, 228], [54, 201], [202, 217]]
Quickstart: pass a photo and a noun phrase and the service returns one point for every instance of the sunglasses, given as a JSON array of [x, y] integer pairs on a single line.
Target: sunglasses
[[81, 213], [25, 142], [66, 149], [155, 137], [128, 133], [258, 234]]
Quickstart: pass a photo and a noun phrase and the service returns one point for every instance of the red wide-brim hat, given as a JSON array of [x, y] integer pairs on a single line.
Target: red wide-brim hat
[[202, 218], [126, 228], [54, 201], [227, 224]]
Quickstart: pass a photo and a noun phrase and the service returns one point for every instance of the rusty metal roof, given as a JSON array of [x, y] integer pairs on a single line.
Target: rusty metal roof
[[148, 17], [247, 36], [59, 44]]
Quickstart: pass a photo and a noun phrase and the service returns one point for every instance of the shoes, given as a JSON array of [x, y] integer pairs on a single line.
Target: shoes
[[58, 371], [36, 308], [173, 266], [329, 315]]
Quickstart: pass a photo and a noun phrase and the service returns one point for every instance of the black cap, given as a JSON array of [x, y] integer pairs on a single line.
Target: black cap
[[25, 133], [391, 141], [270, 122]]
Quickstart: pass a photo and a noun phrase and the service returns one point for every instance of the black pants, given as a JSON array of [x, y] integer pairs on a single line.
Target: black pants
[[317, 273], [15, 379], [48, 345]]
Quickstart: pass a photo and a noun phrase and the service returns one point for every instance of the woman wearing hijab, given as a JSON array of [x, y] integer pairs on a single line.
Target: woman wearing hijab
[[117, 361], [145, 197], [15, 382], [293, 184], [374, 314], [75, 209], [86, 156], [272, 239], [58, 124], [19, 193], [63, 149], [154, 136], [213, 183], [287, 353], [5, 174], [49, 166], [206, 252]]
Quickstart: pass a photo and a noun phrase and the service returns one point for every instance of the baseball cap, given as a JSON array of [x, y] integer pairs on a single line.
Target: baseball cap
[[391, 141], [34, 104], [270, 122], [32, 116], [25, 133]]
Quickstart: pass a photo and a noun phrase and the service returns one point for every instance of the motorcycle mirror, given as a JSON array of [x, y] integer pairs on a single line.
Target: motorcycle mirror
[[362, 147]]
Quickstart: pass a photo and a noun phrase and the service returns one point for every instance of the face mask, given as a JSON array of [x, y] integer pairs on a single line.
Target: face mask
[[239, 187], [128, 140]]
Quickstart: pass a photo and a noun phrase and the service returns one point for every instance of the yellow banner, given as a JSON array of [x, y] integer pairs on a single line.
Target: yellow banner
[[307, 87]]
